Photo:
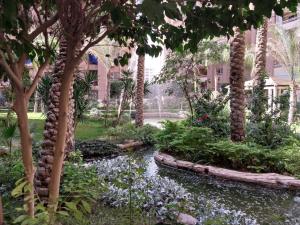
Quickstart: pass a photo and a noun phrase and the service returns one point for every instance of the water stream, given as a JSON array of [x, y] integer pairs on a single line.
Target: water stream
[[267, 206]]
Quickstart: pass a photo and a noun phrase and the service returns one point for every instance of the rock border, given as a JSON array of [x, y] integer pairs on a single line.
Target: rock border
[[272, 180]]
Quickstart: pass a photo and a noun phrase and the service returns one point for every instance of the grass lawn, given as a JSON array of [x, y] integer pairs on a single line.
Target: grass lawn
[[86, 130]]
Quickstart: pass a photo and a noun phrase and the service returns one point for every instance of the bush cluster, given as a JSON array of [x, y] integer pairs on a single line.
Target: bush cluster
[[198, 144], [130, 132]]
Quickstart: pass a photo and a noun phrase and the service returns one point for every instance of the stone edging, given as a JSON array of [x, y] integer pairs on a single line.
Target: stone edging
[[272, 180]]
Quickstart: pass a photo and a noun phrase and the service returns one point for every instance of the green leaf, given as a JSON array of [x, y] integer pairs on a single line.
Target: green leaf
[[86, 206], [20, 219], [63, 213], [71, 206], [18, 190]]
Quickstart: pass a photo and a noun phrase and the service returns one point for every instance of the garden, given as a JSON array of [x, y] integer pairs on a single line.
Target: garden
[[149, 113]]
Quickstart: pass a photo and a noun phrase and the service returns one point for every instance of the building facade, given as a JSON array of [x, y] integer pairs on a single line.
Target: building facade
[[218, 75]]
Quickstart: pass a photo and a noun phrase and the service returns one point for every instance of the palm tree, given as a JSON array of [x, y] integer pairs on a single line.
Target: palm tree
[[127, 92], [259, 101], [237, 95], [43, 173], [139, 104], [285, 48], [261, 51]]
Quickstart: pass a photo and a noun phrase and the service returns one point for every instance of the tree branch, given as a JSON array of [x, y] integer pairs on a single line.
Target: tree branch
[[13, 77], [43, 27], [37, 77], [92, 43]]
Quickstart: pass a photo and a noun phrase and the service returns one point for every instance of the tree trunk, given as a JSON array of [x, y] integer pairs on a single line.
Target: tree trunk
[[26, 145], [293, 100], [237, 95], [42, 178], [260, 104], [60, 144], [261, 51], [139, 105], [1, 212]]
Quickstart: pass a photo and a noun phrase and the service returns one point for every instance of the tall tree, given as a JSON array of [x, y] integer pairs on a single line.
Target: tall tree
[[285, 48], [42, 178], [139, 104], [21, 22], [259, 101], [185, 68], [261, 50], [237, 95]]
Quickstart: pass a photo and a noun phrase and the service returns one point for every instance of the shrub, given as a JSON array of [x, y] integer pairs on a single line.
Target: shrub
[[130, 132], [122, 132], [165, 136], [198, 144], [210, 111], [146, 134], [11, 170], [183, 140], [270, 132], [244, 156], [129, 186]]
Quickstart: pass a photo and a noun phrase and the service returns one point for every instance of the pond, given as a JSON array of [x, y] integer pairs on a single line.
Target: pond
[[261, 205]]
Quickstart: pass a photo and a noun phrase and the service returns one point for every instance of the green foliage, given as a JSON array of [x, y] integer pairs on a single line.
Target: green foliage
[[185, 68], [198, 144], [291, 156], [43, 90], [146, 134], [268, 128], [11, 170], [79, 190], [187, 141], [270, 132], [258, 100], [81, 89], [244, 156], [129, 131], [165, 136], [8, 128], [210, 111], [115, 88]]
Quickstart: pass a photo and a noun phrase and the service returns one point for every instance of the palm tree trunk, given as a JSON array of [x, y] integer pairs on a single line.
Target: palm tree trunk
[[237, 95], [293, 99], [261, 51], [139, 117], [44, 170], [259, 105]]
